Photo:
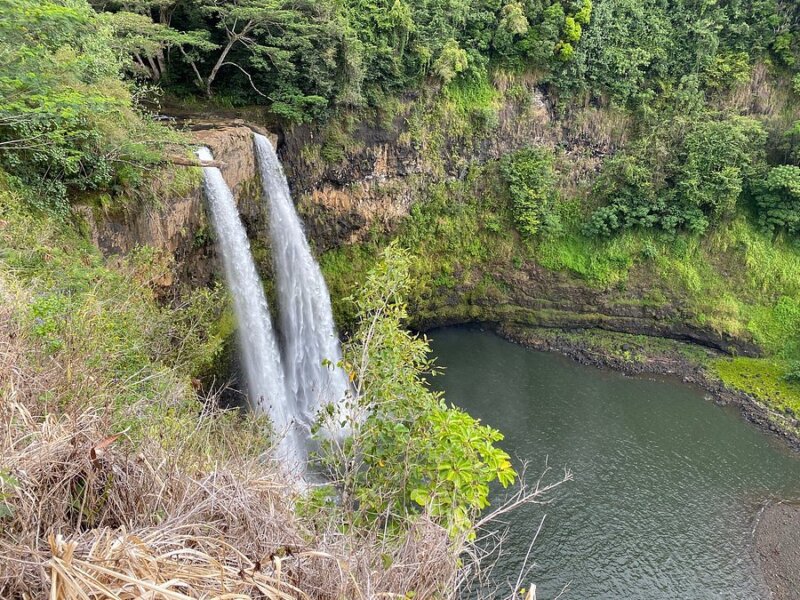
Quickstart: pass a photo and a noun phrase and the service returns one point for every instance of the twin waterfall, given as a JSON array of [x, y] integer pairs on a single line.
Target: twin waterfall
[[292, 380]]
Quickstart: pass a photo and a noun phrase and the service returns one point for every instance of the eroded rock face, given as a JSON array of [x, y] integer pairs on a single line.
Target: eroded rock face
[[178, 226], [379, 177]]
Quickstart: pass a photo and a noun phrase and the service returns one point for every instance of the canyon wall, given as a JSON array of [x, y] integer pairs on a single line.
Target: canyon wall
[[365, 185]]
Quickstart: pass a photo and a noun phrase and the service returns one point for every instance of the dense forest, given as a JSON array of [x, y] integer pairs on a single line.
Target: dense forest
[[644, 152]]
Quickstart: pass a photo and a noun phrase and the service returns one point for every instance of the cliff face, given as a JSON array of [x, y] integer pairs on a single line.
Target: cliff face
[[348, 190], [380, 171], [178, 225]]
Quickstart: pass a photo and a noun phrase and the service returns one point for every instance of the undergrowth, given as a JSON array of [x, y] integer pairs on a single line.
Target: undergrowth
[[118, 479], [736, 280]]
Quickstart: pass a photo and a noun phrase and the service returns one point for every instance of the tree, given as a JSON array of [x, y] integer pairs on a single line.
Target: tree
[[146, 42], [685, 176], [715, 161], [531, 182], [451, 61], [242, 21], [410, 452], [67, 123]]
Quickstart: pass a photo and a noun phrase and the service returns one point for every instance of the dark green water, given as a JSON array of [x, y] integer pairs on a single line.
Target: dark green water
[[666, 484]]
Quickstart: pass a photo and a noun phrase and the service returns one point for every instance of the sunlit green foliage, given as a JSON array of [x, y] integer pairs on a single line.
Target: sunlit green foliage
[[412, 452], [778, 199], [768, 381], [67, 123], [531, 183]]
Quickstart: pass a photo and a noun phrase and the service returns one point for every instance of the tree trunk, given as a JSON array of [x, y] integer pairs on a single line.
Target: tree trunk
[[232, 39], [160, 61], [154, 68], [199, 77], [141, 63]]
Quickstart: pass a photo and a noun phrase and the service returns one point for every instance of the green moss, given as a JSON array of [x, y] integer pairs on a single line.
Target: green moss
[[622, 346], [763, 379], [600, 262]]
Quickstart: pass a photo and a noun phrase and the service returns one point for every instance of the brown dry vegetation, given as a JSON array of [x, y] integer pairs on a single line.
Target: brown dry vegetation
[[94, 513]]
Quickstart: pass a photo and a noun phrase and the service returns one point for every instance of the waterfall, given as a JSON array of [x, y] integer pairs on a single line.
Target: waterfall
[[259, 347], [311, 350]]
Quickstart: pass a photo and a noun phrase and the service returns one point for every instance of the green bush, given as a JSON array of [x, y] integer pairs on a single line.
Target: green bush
[[66, 119], [530, 178], [412, 452], [778, 199], [793, 372], [683, 178]]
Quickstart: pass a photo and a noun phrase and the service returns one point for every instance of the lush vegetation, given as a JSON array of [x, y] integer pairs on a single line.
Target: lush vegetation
[[681, 177], [644, 152], [305, 59], [531, 184], [69, 125], [409, 451]]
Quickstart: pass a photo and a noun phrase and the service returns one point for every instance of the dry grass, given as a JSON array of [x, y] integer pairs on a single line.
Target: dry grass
[[102, 498], [759, 96], [603, 130], [90, 512]]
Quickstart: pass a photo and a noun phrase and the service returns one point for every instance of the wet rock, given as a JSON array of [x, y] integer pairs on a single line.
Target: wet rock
[[776, 538]]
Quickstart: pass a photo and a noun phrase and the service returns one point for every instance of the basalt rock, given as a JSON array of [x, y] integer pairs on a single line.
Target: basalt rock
[[177, 225]]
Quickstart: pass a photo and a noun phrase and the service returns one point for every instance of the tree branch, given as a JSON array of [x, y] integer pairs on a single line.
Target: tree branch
[[253, 85], [188, 162]]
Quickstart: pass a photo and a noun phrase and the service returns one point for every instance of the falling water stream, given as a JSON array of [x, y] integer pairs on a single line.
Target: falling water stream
[[259, 348], [292, 385], [311, 350]]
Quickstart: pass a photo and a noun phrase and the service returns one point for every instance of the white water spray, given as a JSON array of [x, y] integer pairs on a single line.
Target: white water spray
[[312, 351], [259, 348]]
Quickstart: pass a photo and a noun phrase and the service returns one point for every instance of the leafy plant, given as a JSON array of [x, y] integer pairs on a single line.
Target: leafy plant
[[411, 452], [530, 178], [7, 485], [793, 373], [778, 199], [687, 177], [67, 121]]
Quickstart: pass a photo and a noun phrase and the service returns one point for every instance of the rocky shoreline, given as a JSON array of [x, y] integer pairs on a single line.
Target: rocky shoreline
[[634, 358]]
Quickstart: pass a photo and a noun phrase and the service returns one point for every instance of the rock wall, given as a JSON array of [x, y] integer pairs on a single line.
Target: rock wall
[[382, 171], [536, 297], [383, 168], [178, 225]]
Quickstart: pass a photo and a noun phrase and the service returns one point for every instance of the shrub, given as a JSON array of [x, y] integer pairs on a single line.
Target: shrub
[[778, 199], [530, 178], [685, 178], [793, 373], [715, 159], [411, 452]]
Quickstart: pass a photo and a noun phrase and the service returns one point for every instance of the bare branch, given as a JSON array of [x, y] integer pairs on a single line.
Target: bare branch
[[249, 77]]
